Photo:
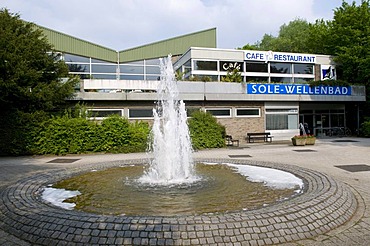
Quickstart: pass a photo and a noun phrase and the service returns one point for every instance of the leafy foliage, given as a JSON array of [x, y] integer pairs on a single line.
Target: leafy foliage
[[292, 38], [365, 128], [233, 75], [205, 131], [66, 135], [30, 73], [18, 131]]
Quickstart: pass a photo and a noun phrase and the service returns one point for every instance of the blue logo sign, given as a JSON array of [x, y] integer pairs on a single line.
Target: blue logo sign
[[293, 89]]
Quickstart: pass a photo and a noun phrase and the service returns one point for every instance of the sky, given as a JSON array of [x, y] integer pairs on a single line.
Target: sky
[[123, 24]]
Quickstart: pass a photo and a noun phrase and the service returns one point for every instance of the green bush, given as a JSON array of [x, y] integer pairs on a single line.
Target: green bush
[[205, 131], [18, 130], [365, 128], [66, 135]]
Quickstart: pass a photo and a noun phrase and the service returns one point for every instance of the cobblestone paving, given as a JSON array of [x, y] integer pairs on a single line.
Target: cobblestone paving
[[317, 217], [324, 205]]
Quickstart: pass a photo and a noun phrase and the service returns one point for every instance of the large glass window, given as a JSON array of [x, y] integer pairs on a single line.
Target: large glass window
[[187, 67], [98, 61], [220, 112], [276, 67], [130, 69], [104, 76], [74, 58], [281, 79], [131, 77], [281, 119], [303, 68], [102, 113], [259, 67], [204, 77], [152, 62], [103, 68], [256, 79], [247, 112], [80, 68], [302, 80], [205, 65], [140, 113], [152, 70]]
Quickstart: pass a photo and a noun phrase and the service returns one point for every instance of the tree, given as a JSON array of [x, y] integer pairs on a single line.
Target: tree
[[30, 72], [349, 41], [292, 37]]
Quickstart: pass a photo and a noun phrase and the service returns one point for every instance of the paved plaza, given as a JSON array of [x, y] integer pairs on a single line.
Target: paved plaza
[[334, 210]]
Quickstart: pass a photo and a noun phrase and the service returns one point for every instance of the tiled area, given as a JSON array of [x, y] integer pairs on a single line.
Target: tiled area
[[332, 211]]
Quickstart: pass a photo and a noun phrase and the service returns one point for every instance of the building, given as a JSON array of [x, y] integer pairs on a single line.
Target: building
[[273, 94]]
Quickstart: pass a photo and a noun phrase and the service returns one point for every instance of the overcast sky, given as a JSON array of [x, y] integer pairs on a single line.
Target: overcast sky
[[123, 24]]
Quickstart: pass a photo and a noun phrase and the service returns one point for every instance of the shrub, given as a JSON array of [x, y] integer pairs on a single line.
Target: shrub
[[365, 128], [18, 130], [66, 135], [205, 131]]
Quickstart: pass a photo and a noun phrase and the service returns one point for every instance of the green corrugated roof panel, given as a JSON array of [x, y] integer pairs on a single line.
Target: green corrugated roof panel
[[174, 46], [72, 45]]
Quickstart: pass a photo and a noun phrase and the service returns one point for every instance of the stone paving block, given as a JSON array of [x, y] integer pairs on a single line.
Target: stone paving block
[[305, 218]]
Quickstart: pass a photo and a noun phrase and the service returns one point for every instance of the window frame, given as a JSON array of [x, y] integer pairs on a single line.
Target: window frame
[[139, 117], [220, 116], [247, 116], [103, 109]]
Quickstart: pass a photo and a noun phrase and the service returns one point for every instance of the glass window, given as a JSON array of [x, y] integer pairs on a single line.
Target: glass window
[[229, 66], [98, 61], [259, 67], [205, 65], [303, 68], [152, 70], [220, 112], [103, 68], [152, 62], [153, 77], [131, 69], [74, 58], [303, 80], [276, 67], [248, 112], [204, 77], [83, 68], [281, 121], [256, 79], [282, 110], [141, 62], [102, 113], [140, 113], [191, 110], [281, 79], [104, 76], [131, 77]]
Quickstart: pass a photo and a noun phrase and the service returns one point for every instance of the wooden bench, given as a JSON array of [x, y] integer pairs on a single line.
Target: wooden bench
[[265, 136], [230, 141]]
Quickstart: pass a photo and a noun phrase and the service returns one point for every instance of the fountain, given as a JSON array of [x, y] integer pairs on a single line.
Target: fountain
[[171, 144]]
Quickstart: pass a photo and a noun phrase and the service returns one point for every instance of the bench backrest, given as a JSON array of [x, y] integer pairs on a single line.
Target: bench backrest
[[258, 134]]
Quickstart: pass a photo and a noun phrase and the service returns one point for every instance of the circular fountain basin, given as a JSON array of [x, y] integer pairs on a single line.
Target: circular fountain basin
[[218, 189], [324, 205]]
